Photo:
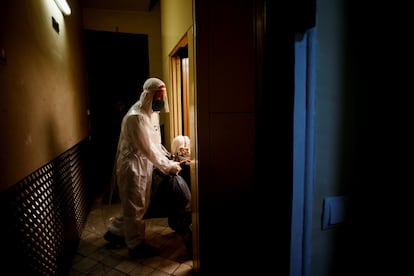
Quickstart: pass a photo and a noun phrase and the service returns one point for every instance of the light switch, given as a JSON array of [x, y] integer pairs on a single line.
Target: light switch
[[333, 211]]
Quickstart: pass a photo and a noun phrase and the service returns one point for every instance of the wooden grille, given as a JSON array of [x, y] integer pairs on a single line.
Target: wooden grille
[[44, 215]]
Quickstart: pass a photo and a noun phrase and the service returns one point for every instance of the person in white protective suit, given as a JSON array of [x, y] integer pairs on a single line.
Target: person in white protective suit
[[139, 150]]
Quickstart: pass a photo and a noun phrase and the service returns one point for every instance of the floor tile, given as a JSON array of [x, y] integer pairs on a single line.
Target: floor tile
[[94, 258]]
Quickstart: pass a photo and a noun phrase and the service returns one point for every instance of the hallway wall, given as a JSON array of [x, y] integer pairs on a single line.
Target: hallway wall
[[44, 143], [43, 99]]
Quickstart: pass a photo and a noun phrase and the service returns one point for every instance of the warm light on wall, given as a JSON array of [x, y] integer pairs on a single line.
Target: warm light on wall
[[63, 6]]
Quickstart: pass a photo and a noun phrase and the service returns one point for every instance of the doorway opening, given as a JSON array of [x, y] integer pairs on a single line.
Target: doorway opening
[[180, 96]]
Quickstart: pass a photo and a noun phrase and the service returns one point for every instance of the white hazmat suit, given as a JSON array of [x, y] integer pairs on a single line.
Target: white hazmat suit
[[139, 150]]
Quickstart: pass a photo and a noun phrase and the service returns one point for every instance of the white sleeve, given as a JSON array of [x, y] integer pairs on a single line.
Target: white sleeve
[[148, 146]]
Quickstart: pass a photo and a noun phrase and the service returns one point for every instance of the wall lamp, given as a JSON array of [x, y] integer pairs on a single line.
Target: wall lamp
[[63, 6]]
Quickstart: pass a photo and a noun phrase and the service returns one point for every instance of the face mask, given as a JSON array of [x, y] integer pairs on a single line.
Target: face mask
[[157, 105]]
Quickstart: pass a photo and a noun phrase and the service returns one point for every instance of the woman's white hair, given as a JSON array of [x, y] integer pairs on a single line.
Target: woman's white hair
[[180, 142]]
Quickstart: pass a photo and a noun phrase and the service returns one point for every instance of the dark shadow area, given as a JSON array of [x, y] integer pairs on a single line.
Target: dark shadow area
[[118, 65]]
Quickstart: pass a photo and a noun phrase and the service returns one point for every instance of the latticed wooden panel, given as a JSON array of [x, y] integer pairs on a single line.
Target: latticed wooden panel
[[45, 214], [39, 221]]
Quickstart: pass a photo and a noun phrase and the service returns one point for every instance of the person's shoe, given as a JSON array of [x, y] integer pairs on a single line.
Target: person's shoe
[[114, 240], [143, 250]]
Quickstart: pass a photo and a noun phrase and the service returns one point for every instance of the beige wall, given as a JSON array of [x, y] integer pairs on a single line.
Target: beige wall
[[43, 103]]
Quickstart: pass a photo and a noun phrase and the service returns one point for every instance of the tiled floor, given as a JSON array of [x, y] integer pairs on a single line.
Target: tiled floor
[[93, 258]]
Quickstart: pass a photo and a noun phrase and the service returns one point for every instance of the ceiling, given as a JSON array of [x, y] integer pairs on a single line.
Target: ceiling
[[120, 5]]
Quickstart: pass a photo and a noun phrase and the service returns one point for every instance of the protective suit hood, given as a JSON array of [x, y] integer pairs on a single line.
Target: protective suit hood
[[150, 87]]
